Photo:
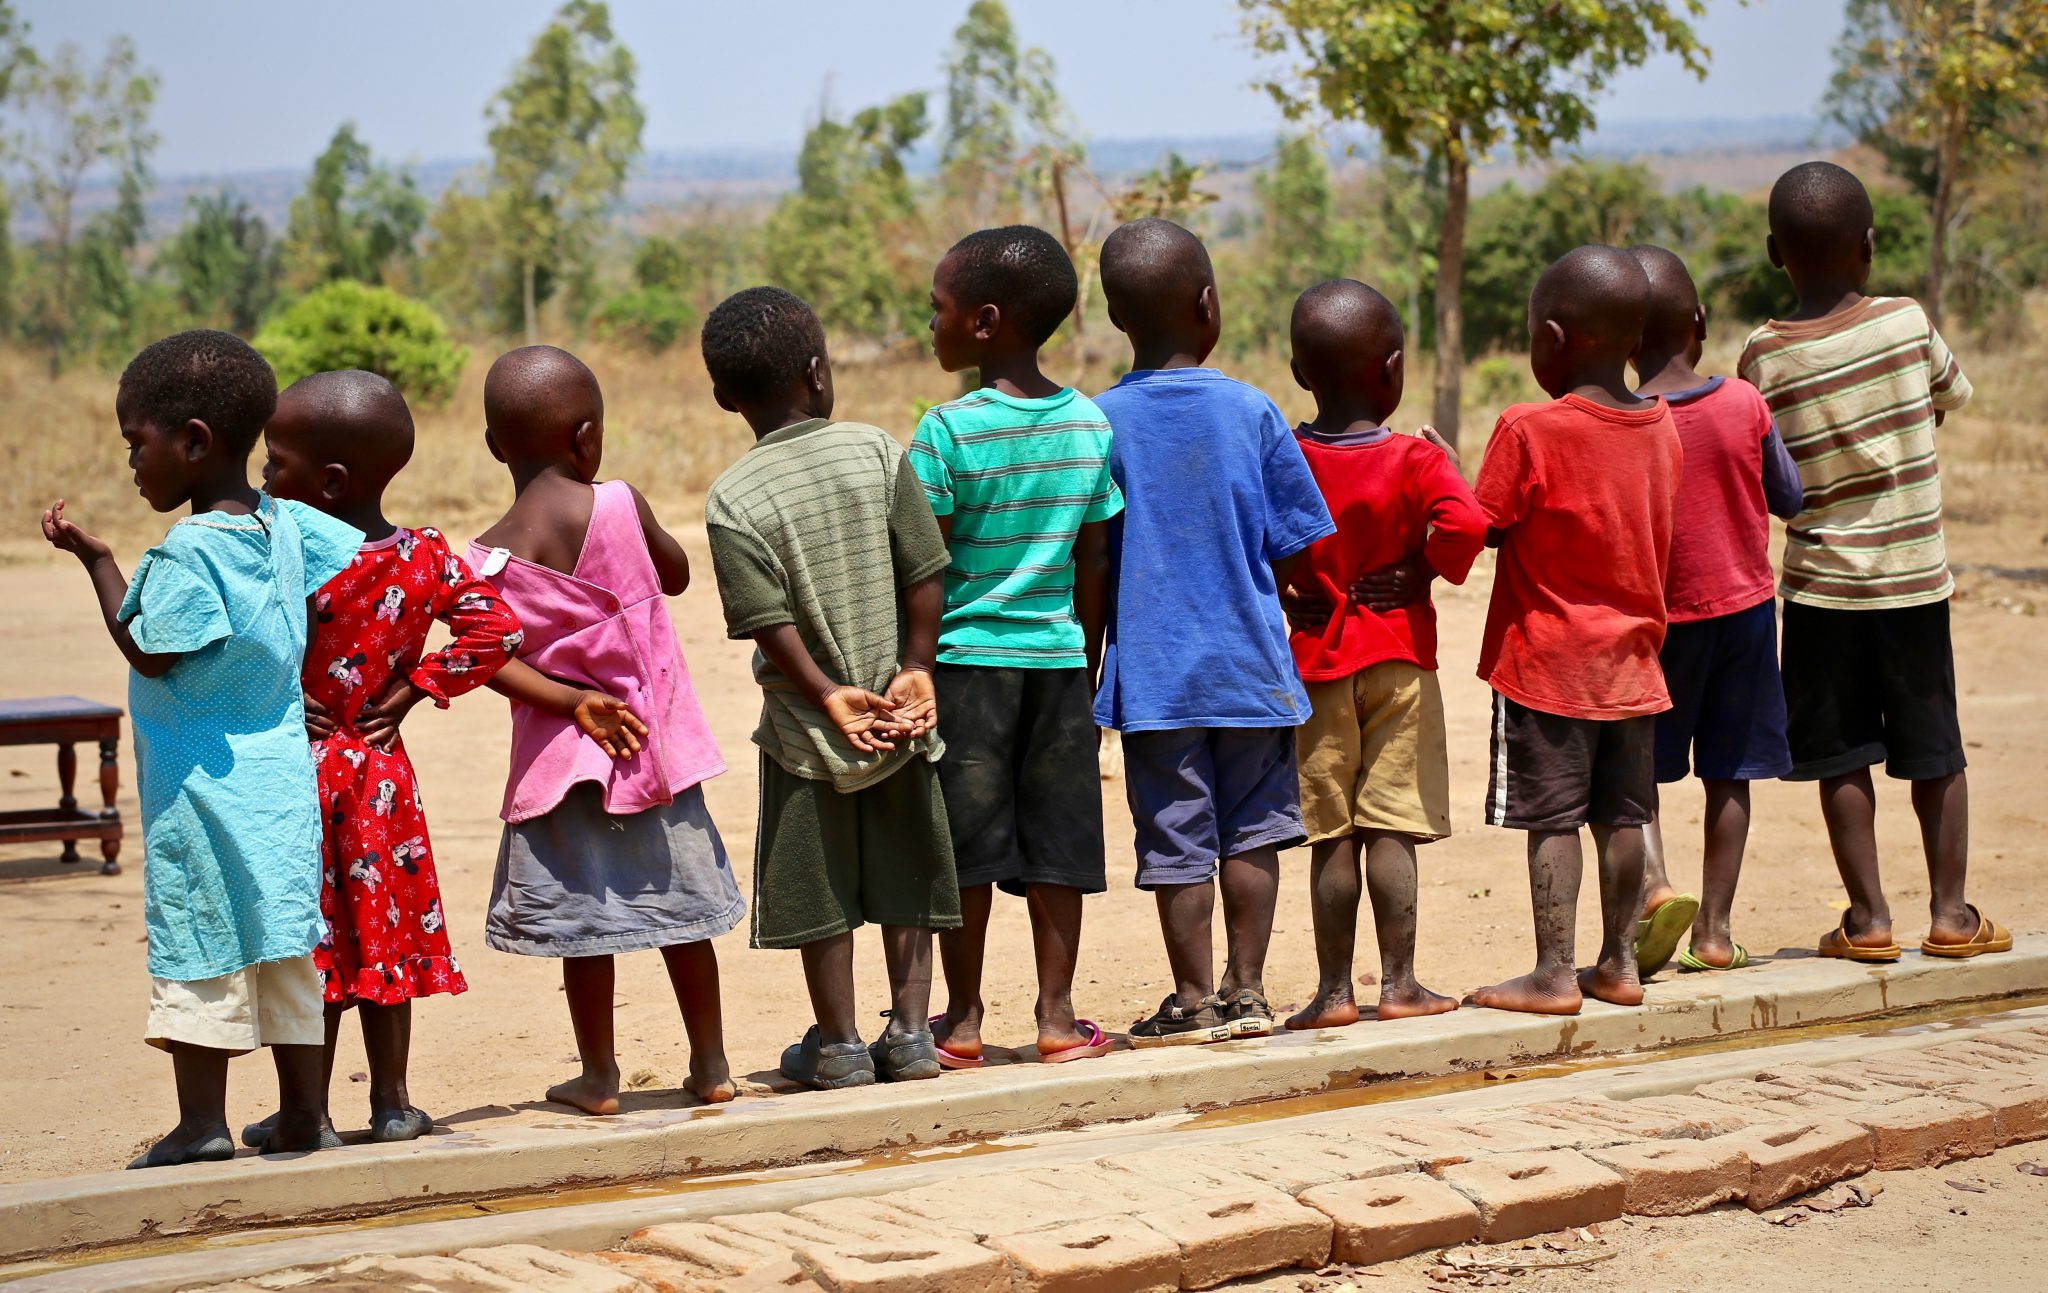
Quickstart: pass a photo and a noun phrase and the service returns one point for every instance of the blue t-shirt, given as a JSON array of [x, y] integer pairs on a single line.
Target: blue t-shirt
[[1215, 489]]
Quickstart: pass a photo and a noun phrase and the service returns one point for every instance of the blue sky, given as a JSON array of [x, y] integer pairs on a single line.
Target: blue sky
[[253, 84]]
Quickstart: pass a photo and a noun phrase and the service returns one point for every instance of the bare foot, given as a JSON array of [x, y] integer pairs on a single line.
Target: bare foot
[[1412, 1000], [711, 1092], [1655, 898], [1606, 984], [589, 1093], [1531, 996], [1333, 1009], [1716, 950], [1942, 929], [1054, 1037], [960, 1037]]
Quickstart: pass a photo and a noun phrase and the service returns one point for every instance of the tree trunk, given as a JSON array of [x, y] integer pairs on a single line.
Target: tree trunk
[[526, 303], [1947, 158], [1450, 279], [1059, 197]]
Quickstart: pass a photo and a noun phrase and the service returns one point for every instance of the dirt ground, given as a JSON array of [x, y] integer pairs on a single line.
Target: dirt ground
[[80, 1092]]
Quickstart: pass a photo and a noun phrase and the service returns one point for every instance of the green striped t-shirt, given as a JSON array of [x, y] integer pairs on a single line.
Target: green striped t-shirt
[[1019, 478]]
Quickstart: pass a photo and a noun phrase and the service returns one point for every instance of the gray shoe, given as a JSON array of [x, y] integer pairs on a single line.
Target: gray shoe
[[828, 1066], [257, 1135], [1170, 1025], [905, 1057], [1247, 1013]]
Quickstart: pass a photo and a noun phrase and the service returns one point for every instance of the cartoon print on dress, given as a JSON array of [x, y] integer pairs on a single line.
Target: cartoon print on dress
[[430, 919], [364, 870], [513, 641], [347, 670], [410, 853], [386, 796], [323, 606], [392, 604], [471, 602], [354, 756], [458, 662], [407, 541]]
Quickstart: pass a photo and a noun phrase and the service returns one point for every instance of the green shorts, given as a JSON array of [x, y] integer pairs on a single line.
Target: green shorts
[[826, 862]]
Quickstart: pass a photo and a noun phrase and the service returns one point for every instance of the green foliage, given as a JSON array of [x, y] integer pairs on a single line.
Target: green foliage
[[1501, 380], [651, 318], [1297, 239], [1166, 192], [354, 219], [222, 263], [658, 262], [347, 324]]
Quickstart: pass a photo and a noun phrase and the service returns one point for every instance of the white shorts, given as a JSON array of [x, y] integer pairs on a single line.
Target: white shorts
[[276, 1003]]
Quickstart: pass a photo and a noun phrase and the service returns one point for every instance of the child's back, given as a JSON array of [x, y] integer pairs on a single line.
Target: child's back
[[1732, 481]]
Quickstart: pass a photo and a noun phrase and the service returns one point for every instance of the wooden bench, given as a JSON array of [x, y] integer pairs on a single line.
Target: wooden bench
[[64, 721]]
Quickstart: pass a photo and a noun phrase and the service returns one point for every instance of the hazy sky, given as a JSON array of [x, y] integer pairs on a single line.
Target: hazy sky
[[251, 84]]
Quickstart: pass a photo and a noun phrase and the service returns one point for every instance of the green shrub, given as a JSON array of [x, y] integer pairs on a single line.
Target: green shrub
[[652, 318], [1501, 380], [346, 324]]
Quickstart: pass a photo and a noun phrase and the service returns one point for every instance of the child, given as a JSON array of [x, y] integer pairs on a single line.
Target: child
[[1720, 656], [1578, 493], [600, 855], [1375, 761], [335, 443], [1196, 671], [1018, 475], [829, 559], [1858, 385], [214, 626]]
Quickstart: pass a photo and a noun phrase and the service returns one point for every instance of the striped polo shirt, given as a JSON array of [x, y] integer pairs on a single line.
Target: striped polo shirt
[[1854, 395], [1019, 478]]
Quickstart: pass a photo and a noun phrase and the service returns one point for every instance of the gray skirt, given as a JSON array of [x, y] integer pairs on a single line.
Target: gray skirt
[[577, 881]]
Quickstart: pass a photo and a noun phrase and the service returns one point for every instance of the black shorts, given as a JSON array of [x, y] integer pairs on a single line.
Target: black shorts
[[1552, 773], [1022, 784], [1866, 687]]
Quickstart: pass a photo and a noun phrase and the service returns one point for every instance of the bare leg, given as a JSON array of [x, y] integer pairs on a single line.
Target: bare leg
[[1613, 978], [907, 955], [828, 974], [202, 1076], [300, 1095], [1390, 877], [1055, 948], [1333, 893], [1186, 919], [1657, 886], [1943, 807], [589, 981], [1849, 806], [1251, 890], [1727, 831], [1556, 866], [387, 1040], [693, 974], [963, 951]]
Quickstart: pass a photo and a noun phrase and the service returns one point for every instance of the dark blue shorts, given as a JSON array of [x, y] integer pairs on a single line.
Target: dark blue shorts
[[1727, 715], [1201, 794]]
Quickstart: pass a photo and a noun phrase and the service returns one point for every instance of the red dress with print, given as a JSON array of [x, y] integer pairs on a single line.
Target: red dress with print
[[387, 939]]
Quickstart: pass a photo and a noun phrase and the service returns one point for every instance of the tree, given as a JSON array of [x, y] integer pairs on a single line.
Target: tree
[[564, 132], [354, 219], [1298, 238], [1451, 81], [222, 263], [1946, 91], [14, 54], [76, 120], [347, 324], [986, 77]]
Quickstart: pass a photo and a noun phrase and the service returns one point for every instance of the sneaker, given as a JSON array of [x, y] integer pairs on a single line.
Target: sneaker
[[828, 1066], [904, 1057], [1172, 1026], [1248, 1014]]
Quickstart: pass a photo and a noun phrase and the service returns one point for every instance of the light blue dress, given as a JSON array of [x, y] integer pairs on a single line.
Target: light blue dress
[[230, 816]]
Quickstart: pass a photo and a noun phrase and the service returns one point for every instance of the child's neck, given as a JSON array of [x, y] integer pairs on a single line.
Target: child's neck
[[366, 515], [1826, 296], [1018, 377], [1155, 353], [1665, 371], [229, 492], [527, 473], [1347, 414], [1603, 382], [767, 420]]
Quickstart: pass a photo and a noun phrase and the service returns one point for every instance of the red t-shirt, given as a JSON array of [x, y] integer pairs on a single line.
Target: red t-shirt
[[1720, 548], [1585, 496], [1392, 496]]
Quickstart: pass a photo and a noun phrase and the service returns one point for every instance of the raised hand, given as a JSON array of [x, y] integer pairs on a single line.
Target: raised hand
[[606, 720], [861, 716], [66, 537], [1429, 433]]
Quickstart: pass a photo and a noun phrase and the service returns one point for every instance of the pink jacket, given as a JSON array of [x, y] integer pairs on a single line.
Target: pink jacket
[[605, 625]]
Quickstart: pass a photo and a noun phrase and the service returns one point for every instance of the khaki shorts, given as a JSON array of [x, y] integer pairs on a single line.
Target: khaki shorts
[[1374, 756], [277, 1003]]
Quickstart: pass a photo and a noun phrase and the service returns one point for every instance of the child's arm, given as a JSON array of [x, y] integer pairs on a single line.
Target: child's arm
[[1454, 531], [108, 584], [1505, 479], [863, 717], [671, 563], [604, 719], [1784, 493], [1091, 589], [484, 635], [918, 556]]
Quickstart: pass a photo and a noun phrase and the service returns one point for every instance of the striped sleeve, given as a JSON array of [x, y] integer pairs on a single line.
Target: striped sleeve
[[1946, 385], [931, 451]]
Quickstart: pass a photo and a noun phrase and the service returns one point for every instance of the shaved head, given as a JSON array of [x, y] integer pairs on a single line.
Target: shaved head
[[536, 397], [1674, 301], [1341, 327], [1599, 295], [351, 417], [1153, 272], [1819, 214]]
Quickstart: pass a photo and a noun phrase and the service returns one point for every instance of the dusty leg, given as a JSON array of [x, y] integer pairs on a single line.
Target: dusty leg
[[1943, 807], [202, 1077], [1055, 949], [1556, 865], [962, 951], [1727, 831], [1186, 920], [1251, 890], [1390, 877], [1613, 978], [300, 1097], [693, 974], [907, 955], [1849, 806], [1333, 893], [1657, 887], [589, 984], [828, 976], [387, 1040]]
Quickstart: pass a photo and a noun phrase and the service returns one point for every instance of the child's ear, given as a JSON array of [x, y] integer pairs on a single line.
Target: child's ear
[[988, 320], [1294, 366], [1207, 308], [1771, 250], [723, 400], [1699, 322], [818, 373], [587, 442], [491, 443], [1869, 248], [334, 482], [1395, 369], [197, 440]]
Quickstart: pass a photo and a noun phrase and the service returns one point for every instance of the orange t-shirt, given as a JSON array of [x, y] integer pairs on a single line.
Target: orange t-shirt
[[1584, 496]]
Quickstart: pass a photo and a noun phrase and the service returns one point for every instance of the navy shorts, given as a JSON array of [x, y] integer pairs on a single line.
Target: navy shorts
[[1866, 687], [1727, 715], [1201, 794]]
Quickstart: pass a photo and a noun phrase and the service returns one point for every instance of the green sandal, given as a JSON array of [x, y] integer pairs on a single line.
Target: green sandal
[[1658, 933], [1687, 961]]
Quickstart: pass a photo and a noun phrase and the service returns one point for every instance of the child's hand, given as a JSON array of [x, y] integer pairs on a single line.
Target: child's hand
[[67, 537], [1307, 610], [320, 722], [913, 702], [1429, 433], [862, 716], [606, 720], [1392, 587], [378, 723]]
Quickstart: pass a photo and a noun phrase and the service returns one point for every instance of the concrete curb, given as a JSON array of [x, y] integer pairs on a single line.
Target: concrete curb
[[72, 1213]]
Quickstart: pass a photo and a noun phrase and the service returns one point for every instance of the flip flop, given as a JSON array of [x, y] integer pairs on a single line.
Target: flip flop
[[1688, 961], [1098, 1043], [214, 1149], [1835, 946], [400, 1124], [953, 1059], [1990, 937], [1658, 933]]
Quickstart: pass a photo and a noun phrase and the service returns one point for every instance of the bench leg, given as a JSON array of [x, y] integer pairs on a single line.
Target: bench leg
[[67, 785], [110, 785]]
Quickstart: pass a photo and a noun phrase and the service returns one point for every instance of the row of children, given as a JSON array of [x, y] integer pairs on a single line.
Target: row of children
[[1035, 566]]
